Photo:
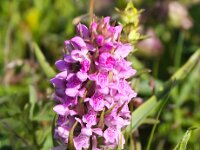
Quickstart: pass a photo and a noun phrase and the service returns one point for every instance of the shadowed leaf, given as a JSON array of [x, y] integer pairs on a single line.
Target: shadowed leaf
[[101, 121], [32, 100], [49, 72]]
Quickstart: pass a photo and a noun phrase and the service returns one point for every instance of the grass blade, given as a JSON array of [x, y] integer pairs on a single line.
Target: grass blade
[[162, 105], [55, 143], [101, 121], [49, 72], [140, 114], [182, 145], [32, 100], [120, 142]]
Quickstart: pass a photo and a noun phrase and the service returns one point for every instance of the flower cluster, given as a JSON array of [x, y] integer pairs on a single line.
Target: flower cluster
[[91, 89]]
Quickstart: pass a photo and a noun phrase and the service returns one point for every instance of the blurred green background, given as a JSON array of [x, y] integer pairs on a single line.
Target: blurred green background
[[173, 30]]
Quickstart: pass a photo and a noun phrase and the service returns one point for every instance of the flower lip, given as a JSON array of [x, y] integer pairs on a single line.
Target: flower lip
[[78, 42], [82, 31], [97, 102], [106, 61]]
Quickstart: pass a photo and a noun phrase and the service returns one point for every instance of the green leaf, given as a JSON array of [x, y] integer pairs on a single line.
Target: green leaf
[[187, 67], [182, 145], [162, 105], [101, 121], [137, 64], [141, 113], [55, 143], [47, 143], [71, 135], [151, 121], [42, 135], [49, 72], [32, 100], [120, 142], [44, 114], [120, 108], [109, 110]]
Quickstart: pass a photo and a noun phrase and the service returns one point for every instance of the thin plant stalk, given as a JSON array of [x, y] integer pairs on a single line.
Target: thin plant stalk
[[155, 125], [91, 9], [179, 50]]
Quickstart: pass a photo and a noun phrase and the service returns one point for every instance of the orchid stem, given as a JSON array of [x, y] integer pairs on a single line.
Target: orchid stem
[[91, 9]]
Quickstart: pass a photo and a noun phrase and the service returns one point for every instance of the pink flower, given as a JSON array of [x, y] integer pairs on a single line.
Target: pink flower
[[82, 76], [100, 40], [73, 81], [107, 47], [61, 65], [101, 79], [78, 42], [90, 118], [110, 135], [82, 31], [63, 133], [85, 65], [79, 55], [92, 81], [97, 102], [63, 110], [123, 50], [106, 61], [81, 141], [123, 69]]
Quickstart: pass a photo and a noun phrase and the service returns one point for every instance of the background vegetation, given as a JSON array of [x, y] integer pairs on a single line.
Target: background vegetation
[[173, 30]]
